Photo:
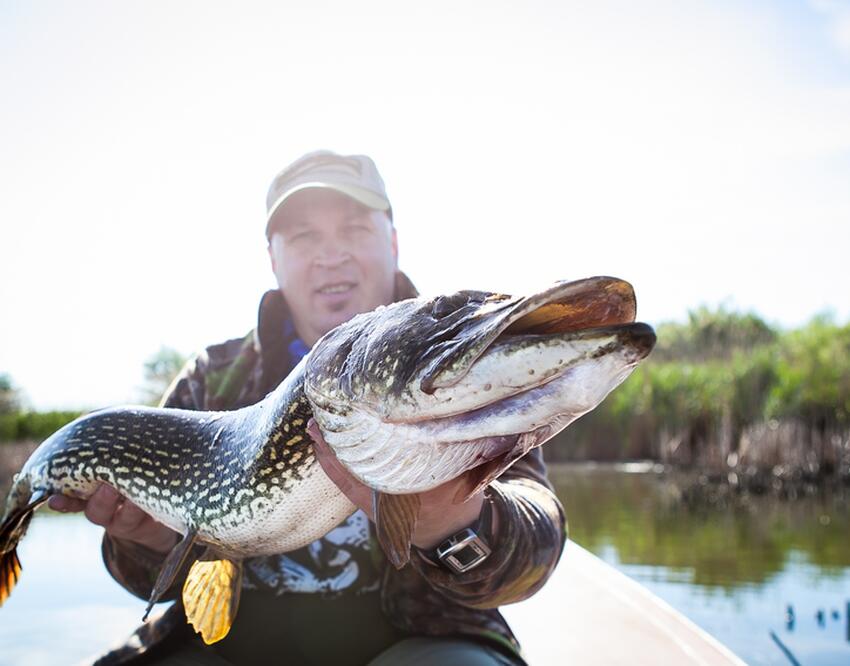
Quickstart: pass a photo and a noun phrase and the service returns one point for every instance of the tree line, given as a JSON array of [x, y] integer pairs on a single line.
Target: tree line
[[18, 423], [725, 390]]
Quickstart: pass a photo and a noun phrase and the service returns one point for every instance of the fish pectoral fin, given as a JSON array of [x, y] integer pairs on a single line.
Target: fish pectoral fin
[[395, 521], [211, 597], [170, 568], [478, 478]]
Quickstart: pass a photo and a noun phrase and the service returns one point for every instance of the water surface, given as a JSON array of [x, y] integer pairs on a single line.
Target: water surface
[[734, 565], [734, 568], [65, 607]]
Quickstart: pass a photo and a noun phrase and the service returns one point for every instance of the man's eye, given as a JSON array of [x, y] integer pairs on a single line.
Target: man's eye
[[302, 237]]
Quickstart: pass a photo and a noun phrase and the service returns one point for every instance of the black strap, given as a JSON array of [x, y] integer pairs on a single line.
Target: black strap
[[483, 527]]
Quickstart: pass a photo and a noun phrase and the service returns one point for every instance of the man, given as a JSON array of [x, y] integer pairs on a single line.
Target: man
[[334, 252]]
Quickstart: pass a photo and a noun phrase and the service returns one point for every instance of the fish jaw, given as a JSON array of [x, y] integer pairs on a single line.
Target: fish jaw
[[572, 375], [517, 365], [563, 307]]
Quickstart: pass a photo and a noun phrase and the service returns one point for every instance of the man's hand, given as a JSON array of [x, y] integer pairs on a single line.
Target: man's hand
[[119, 517], [439, 516]]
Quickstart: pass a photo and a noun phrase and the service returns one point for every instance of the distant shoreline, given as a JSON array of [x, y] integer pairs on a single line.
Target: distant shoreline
[[13, 455]]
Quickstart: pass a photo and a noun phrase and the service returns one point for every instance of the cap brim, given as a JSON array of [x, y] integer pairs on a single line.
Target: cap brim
[[366, 197]]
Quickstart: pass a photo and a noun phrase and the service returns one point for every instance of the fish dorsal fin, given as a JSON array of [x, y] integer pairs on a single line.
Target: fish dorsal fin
[[211, 597], [170, 568], [395, 521]]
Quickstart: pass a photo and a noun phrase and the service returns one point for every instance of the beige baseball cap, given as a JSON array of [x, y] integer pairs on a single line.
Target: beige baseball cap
[[353, 175]]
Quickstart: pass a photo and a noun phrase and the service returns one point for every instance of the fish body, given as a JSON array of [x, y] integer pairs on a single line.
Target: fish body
[[245, 481], [408, 396]]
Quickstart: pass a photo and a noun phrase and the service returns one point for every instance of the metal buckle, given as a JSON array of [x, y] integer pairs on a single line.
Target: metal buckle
[[464, 551]]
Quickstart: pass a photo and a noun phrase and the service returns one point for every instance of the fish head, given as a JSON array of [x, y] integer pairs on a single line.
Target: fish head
[[498, 372]]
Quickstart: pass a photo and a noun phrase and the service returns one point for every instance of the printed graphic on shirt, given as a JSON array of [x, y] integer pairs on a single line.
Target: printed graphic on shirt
[[337, 563]]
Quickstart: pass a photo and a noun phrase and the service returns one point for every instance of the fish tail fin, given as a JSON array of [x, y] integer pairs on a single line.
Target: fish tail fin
[[19, 511], [10, 572]]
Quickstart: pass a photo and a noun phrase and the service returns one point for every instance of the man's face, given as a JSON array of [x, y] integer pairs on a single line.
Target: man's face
[[333, 258]]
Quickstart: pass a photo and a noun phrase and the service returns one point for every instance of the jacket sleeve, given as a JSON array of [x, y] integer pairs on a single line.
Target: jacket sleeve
[[527, 546], [132, 565]]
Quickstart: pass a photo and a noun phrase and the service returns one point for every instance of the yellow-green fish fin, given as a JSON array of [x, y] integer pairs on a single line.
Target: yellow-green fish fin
[[211, 597], [395, 521]]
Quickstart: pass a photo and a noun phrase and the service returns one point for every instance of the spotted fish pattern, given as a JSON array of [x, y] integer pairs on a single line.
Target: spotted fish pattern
[[222, 475]]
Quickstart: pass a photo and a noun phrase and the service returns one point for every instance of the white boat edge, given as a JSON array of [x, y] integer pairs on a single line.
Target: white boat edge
[[591, 613]]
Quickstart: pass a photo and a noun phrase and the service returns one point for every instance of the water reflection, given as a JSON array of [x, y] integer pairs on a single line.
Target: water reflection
[[740, 567]]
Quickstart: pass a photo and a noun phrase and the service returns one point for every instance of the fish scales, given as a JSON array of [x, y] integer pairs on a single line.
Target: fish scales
[[226, 484]]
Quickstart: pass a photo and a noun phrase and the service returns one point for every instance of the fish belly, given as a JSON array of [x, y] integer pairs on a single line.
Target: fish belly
[[279, 520]]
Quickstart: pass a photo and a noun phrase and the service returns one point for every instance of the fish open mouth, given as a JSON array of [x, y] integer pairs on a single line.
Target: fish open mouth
[[598, 313], [626, 344], [515, 354], [567, 307], [590, 308], [593, 303], [498, 432]]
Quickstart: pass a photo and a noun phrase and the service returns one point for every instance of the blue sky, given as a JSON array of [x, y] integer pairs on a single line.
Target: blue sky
[[700, 150]]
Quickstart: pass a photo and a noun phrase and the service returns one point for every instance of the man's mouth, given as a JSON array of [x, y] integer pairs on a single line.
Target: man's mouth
[[333, 288]]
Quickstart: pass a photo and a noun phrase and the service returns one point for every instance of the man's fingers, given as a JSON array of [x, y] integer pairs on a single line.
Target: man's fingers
[[102, 505], [120, 517], [65, 504], [126, 519]]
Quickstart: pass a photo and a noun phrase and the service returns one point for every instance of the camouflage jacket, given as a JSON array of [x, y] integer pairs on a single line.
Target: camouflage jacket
[[419, 599]]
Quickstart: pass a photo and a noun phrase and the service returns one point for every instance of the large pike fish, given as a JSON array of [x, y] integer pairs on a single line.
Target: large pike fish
[[408, 396]]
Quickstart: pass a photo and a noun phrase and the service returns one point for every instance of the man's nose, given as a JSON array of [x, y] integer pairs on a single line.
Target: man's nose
[[332, 252]]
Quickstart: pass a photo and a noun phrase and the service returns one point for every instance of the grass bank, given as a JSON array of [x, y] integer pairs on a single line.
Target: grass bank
[[727, 393]]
